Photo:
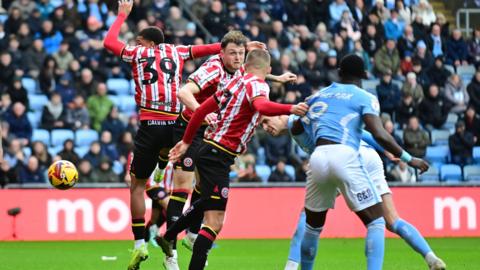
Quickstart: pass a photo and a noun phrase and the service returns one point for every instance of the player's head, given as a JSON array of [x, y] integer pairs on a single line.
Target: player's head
[[352, 68], [150, 37], [233, 50], [258, 61]]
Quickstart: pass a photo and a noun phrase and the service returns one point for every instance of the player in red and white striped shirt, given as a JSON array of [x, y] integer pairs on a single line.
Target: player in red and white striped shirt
[[157, 69], [239, 104]]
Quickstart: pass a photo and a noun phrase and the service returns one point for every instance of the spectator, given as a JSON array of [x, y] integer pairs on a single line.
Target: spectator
[[175, 23], [371, 40], [406, 64], [295, 53], [415, 139], [296, 12], [280, 34], [393, 26], [388, 93], [425, 11], [5, 103], [433, 110], [461, 145], [423, 55], [438, 74], [279, 174], [245, 169], [47, 76], [87, 85], [14, 157], [104, 172], [256, 34], [411, 87], [390, 128], [17, 55], [51, 38], [190, 34], [444, 25], [436, 44], [125, 146], [457, 94], [401, 172], [419, 29], [348, 24], [217, 20], [406, 43], [35, 21], [318, 11], [277, 148], [422, 77], [68, 153], [99, 105], [17, 93], [24, 37], [380, 10], [341, 44], [7, 68], [388, 58], [474, 47], [39, 150], [472, 121], [406, 110], [25, 7], [336, 9], [457, 49], [19, 124], [358, 50], [301, 171], [34, 58], [107, 146], [31, 172], [63, 57], [113, 124], [85, 171], [330, 69], [200, 8], [311, 69], [14, 20], [404, 13], [65, 89], [77, 114], [54, 113], [473, 90], [132, 125], [94, 155]]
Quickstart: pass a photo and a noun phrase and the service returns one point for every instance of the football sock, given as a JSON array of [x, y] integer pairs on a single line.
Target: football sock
[[375, 244], [198, 219], [412, 236], [139, 243], [309, 246], [175, 207], [296, 243], [185, 220], [138, 228], [147, 230], [291, 265], [202, 246]]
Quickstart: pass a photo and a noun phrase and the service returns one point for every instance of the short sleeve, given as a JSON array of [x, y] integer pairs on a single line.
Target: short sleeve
[[256, 89], [184, 52], [206, 76], [129, 53], [370, 104]]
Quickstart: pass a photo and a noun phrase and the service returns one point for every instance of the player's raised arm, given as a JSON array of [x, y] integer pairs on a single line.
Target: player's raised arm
[[111, 41], [284, 78]]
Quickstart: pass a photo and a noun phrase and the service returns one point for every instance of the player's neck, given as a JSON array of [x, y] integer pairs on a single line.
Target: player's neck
[[351, 81], [258, 73]]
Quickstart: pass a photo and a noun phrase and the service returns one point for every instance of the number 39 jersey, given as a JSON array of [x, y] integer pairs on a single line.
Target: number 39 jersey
[[157, 73], [336, 113]]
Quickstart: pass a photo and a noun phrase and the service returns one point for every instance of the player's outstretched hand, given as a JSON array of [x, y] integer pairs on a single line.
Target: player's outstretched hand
[[125, 6], [300, 109], [420, 164], [256, 45], [211, 118], [287, 77], [177, 151]]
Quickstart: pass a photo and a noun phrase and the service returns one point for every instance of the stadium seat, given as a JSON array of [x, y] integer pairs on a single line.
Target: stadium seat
[[82, 150], [85, 137], [440, 137], [30, 85], [263, 171], [53, 151], [34, 118], [37, 102], [451, 120], [437, 154], [451, 173], [118, 86], [432, 175], [114, 99], [3, 18], [399, 133], [466, 70], [261, 159], [127, 104], [371, 86], [476, 154], [290, 170], [450, 68], [61, 135], [398, 83], [232, 175], [27, 151], [41, 135], [471, 173], [117, 167]]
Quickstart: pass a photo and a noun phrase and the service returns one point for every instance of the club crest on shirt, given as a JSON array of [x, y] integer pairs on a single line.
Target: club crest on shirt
[[224, 192], [188, 162]]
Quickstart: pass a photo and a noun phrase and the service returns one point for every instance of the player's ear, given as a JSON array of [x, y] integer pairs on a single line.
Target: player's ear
[[269, 69]]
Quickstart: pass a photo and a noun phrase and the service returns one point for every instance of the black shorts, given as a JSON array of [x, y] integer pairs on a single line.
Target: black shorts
[[213, 166], [157, 193], [153, 141], [187, 163]]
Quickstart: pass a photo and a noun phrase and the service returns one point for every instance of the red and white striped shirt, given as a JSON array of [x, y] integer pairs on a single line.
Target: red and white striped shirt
[[207, 77], [157, 73], [237, 117]]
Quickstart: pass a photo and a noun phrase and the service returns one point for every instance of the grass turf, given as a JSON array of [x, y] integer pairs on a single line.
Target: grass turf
[[458, 253]]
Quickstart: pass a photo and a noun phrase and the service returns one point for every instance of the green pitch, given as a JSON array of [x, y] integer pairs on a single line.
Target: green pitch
[[338, 254]]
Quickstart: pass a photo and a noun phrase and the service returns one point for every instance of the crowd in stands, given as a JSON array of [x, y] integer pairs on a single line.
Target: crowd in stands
[[56, 80]]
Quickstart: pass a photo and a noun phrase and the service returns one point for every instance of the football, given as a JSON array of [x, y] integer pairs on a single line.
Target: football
[[62, 174]]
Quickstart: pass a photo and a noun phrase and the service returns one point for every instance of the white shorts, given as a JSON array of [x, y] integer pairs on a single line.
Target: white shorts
[[374, 166], [338, 166]]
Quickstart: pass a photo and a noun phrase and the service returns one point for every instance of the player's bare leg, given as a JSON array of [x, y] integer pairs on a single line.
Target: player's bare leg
[[137, 208], [409, 233]]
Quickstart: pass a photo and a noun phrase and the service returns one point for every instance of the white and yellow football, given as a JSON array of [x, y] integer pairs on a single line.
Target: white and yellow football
[[62, 174]]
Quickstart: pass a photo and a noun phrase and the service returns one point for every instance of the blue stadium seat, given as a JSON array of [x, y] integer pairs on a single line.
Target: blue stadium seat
[[132, 87], [118, 86], [261, 159], [30, 85], [399, 133], [127, 104], [450, 68], [437, 154], [37, 102], [471, 173], [232, 175], [114, 99], [263, 171], [432, 175], [27, 151], [451, 173], [3, 18], [466, 70], [371, 86], [290, 170], [61, 135], [451, 120], [85, 137], [53, 151], [41, 135], [117, 167], [476, 154], [398, 83], [34, 118], [440, 137], [82, 150]]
